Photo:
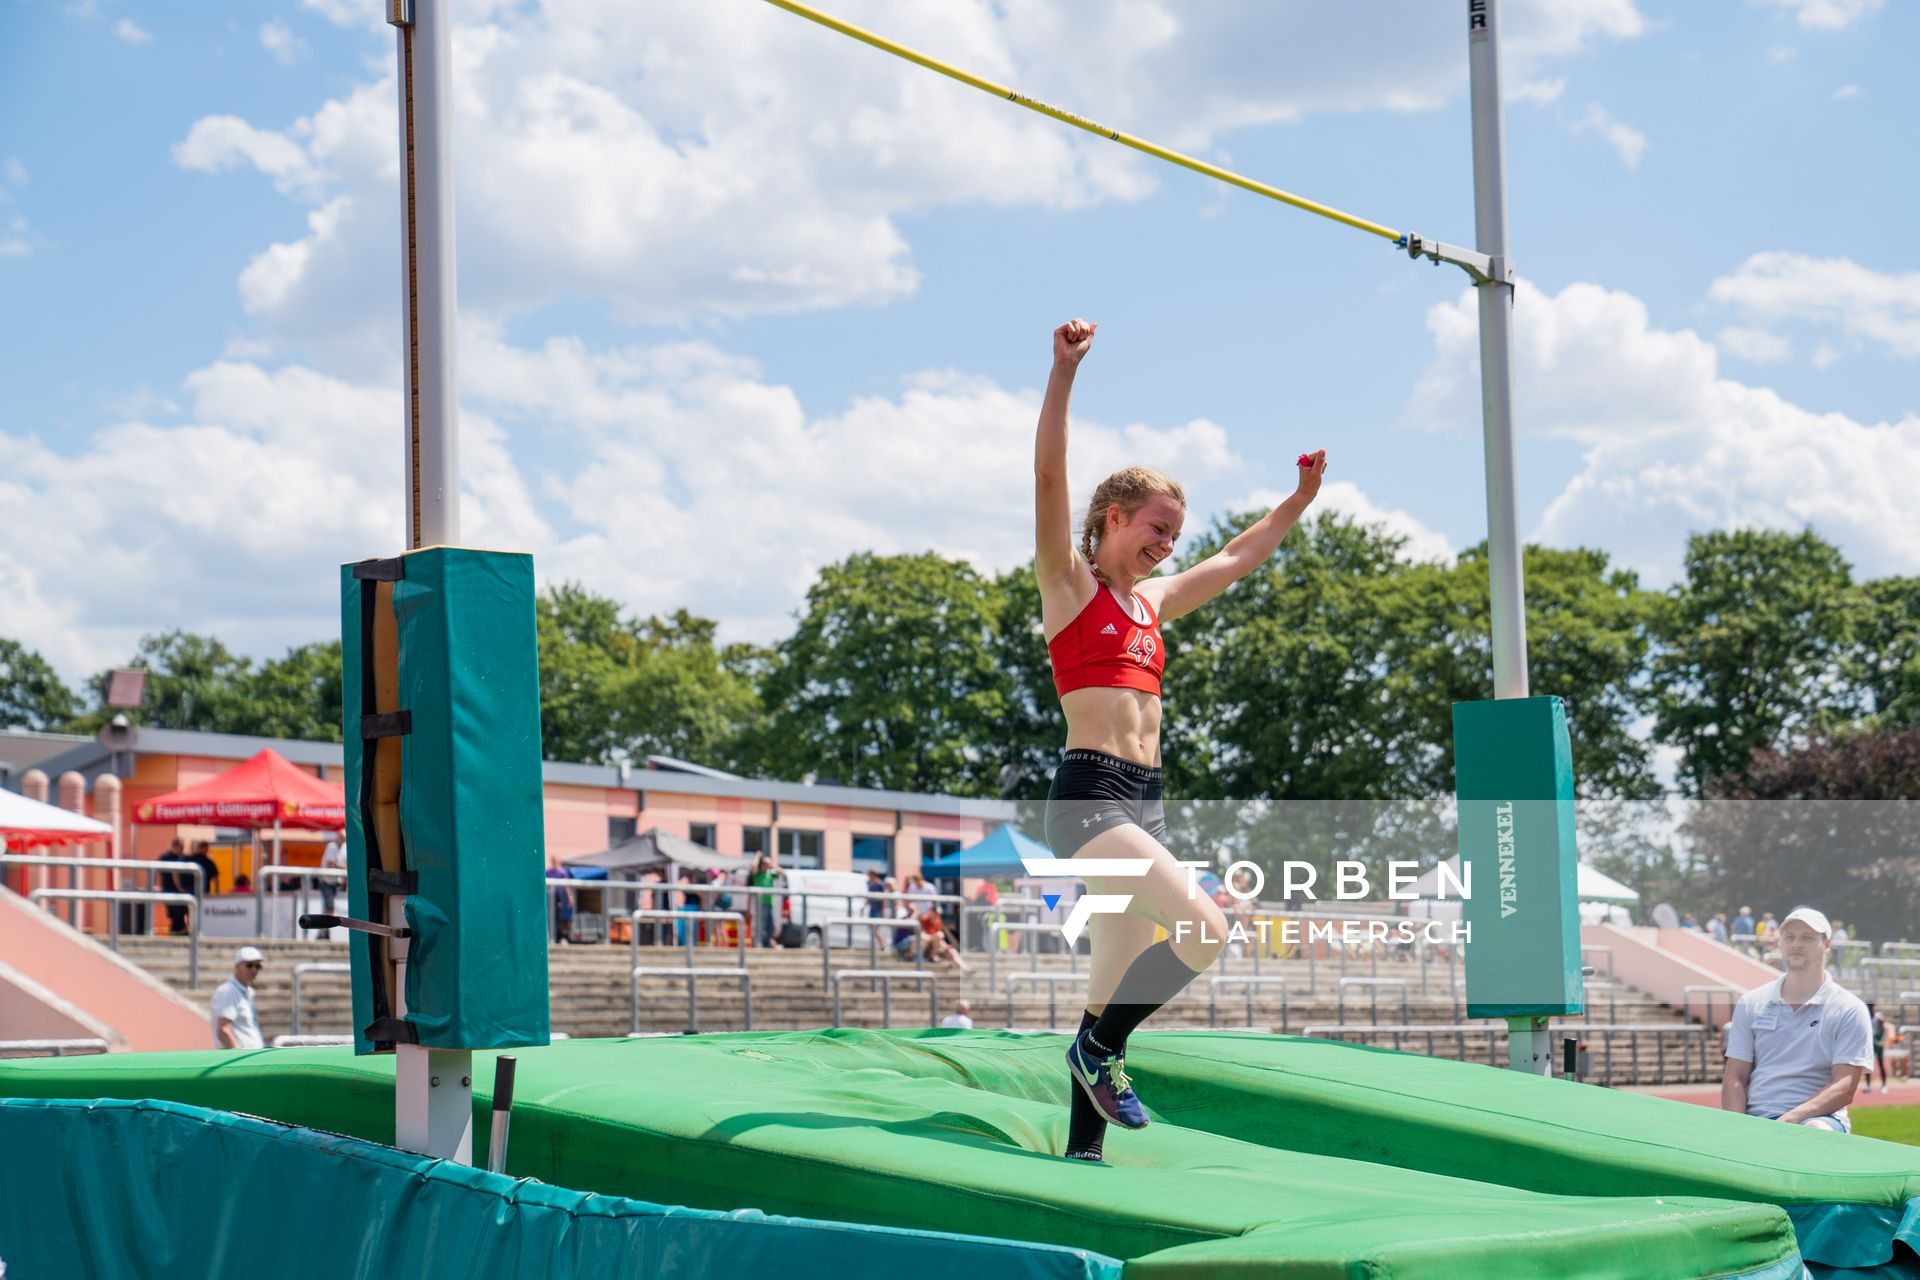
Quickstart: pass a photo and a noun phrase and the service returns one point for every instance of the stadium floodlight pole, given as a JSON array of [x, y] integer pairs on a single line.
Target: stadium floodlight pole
[[1529, 1042], [433, 1088]]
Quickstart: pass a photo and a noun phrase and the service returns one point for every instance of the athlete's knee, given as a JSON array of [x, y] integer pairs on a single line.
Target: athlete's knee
[[1200, 932]]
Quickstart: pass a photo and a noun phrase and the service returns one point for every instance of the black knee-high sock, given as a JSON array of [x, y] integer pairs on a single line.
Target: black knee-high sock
[[1157, 976], [1086, 1127]]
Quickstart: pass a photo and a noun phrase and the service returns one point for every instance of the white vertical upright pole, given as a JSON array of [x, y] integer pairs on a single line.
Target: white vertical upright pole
[[433, 1088], [1496, 353], [1529, 1043], [425, 74]]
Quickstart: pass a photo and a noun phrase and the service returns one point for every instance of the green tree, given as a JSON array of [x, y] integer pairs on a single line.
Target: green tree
[[1275, 688], [193, 682], [890, 679], [32, 695], [296, 696], [1749, 648], [1588, 643], [1883, 660], [1823, 823], [613, 687], [1033, 730]]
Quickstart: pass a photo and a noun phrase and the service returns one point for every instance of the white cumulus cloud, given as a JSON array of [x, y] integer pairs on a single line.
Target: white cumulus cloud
[[1671, 446], [1629, 142], [131, 32], [1829, 15], [1875, 306]]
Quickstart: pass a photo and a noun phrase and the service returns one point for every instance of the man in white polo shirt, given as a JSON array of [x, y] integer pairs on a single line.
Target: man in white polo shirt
[[235, 1025], [1797, 1046]]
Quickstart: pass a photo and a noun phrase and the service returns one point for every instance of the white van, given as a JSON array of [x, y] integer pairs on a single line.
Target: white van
[[808, 912]]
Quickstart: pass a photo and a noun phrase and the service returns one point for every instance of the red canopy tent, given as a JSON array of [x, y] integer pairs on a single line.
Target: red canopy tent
[[264, 791]]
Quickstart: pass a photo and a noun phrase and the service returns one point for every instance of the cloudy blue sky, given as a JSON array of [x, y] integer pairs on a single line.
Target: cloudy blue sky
[[740, 297]]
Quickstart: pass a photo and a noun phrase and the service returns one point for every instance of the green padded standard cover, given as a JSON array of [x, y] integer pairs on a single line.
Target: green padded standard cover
[[470, 799], [159, 1188], [956, 1131], [1513, 774]]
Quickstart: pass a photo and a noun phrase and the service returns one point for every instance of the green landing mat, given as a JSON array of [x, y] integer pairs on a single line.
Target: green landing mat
[[240, 1191], [955, 1132]]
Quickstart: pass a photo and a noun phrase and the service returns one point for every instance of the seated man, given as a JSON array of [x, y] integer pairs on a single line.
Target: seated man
[[1797, 1046]]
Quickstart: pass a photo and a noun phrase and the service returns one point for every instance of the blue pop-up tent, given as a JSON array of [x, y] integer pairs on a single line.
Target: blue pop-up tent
[[998, 855]]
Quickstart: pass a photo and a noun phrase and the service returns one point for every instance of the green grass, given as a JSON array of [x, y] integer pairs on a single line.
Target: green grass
[[1895, 1124]]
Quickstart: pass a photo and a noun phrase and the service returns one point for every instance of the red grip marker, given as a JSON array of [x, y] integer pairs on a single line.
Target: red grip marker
[[1306, 459]]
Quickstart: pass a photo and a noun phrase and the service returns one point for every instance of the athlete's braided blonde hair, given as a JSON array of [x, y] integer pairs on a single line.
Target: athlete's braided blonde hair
[[1128, 490]]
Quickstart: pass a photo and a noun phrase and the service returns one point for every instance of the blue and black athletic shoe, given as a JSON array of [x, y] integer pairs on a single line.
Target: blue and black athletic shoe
[[1104, 1081]]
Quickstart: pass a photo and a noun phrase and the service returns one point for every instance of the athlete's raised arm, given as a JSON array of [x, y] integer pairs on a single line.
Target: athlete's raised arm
[[1055, 561], [1190, 588]]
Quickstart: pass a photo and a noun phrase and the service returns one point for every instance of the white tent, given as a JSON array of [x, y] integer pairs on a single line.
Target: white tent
[[26, 823]]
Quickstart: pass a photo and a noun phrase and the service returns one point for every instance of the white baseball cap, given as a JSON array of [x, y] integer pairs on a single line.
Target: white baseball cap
[[245, 954], [1812, 919]]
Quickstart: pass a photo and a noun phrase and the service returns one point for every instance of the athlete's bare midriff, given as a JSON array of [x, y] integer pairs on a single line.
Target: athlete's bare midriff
[[1120, 722]]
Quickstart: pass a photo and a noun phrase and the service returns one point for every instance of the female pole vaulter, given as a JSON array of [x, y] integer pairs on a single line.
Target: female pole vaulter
[[1101, 611]]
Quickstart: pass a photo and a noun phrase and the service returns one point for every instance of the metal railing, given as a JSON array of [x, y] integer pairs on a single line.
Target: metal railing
[[117, 896], [1000, 927], [315, 966], [1611, 989], [707, 892], [1051, 981], [51, 1048], [1693, 1035], [1709, 990], [1250, 981], [150, 866], [1373, 986], [976, 938], [268, 889], [873, 925], [691, 973], [887, 978], [309, 1042]]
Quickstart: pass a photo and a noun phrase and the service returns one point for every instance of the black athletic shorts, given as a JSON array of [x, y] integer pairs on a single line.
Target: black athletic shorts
[[1095, 792]]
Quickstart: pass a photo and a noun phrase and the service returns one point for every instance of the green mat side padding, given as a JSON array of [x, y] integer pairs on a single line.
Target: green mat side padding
[[158, 1188], [956, 1132]]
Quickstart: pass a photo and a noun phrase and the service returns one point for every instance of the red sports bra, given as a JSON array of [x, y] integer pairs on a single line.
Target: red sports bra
[[1103, 648]]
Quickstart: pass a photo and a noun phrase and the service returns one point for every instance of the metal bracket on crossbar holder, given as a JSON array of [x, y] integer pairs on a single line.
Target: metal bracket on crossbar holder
[[1483, 269], [358, 926]]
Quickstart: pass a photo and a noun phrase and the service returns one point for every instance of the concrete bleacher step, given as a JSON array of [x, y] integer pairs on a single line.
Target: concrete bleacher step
[[590, 997]]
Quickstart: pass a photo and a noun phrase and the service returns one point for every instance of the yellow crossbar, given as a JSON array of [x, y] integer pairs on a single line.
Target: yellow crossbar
[[1080, 122]]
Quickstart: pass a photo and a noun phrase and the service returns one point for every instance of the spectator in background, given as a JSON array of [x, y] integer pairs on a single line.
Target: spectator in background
[[688, 902], [934, 943], [1745, 932], [1717, 928], [876, 883], [243, 883], [1881, 1029], [961, 1017], [209, 870], [1688, 922], [765, 905], [922, 901], [649, 900], [175, 882], [235, 1024], [332, 858], [1764, 936], [1798, 1046]]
